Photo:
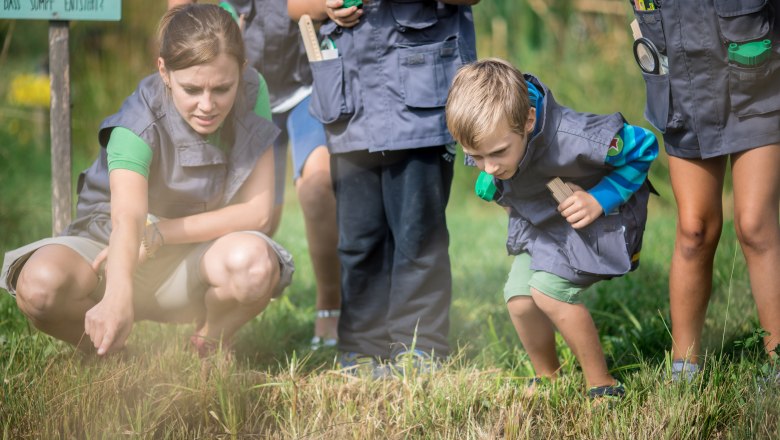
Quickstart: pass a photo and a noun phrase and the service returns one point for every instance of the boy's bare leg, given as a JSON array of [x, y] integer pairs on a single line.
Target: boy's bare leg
[[537, 334], [243, 271], [577, 328], [756, 176], [53, 292], [697, 186], [315, 194]]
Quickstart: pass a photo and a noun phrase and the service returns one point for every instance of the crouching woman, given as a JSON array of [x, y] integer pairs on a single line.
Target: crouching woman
[[171, 216]]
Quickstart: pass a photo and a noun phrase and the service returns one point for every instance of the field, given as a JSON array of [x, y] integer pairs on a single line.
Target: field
[[277, 388]]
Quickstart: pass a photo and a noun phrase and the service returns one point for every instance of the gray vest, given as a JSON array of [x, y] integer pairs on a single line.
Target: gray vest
[[703, 95], [187, 175], [274, 47], [572, 146], [388, 87]]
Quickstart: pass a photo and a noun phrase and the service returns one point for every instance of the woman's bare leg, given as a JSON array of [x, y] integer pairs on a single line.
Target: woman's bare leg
[[243, 271], [53, 290], [756, 176], [698, 186], [315, 193]]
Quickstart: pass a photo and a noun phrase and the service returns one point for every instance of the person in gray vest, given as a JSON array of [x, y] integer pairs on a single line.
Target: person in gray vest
[[273, 47], [512, 128], [716, 97], [183, 192], [382, 102]]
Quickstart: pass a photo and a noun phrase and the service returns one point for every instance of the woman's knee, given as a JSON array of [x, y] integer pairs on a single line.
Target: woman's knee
[[696, 236], [315, 194], [756, 232], [39, 289], [253, 270]]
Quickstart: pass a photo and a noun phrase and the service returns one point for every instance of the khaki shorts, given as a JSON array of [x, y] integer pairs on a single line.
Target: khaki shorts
[[171, 281], [522, 278]]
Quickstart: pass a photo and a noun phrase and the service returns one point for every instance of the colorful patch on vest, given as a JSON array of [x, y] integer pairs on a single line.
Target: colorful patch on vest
[[616, 146]]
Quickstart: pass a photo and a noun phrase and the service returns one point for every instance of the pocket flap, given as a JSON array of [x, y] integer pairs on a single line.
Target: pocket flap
[[414, 14], [731, 8], [199, 155]]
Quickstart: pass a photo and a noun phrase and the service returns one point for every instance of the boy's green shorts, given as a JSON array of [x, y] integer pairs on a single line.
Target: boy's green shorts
[[522, 278]]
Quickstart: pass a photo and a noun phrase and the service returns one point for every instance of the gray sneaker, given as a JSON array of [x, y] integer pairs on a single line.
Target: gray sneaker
[[684, 370], [363, 365], [415, 362]]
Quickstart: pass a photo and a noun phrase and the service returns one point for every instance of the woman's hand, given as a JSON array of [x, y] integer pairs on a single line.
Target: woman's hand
[[580, 209], [109, 322]]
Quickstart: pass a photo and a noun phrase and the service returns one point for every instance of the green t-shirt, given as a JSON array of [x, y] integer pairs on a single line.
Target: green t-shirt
[[127, 151]]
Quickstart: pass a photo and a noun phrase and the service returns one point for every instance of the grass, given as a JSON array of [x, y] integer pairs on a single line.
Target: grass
[[276, 388]]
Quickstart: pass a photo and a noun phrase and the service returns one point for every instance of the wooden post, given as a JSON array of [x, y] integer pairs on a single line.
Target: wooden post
[[59, 70]]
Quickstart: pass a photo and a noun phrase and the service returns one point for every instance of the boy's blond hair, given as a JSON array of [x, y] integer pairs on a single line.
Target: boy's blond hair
[[483, 95]]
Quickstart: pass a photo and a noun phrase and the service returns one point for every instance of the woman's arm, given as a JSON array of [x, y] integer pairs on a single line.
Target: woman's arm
[[251, 210], [109, 322]]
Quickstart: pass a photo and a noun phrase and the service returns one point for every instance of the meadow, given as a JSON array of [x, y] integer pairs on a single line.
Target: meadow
[[277, 388]]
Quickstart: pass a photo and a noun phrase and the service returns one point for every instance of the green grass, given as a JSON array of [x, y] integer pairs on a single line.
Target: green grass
[[276, 388]]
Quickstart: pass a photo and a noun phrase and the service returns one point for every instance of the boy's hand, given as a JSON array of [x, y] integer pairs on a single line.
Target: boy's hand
[[581, 208], [344, 17]]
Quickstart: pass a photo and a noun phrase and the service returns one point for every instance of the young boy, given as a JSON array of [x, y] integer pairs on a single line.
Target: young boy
[[512, 128]]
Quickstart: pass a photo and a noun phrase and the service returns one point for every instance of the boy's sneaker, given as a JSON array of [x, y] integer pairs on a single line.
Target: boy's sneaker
[[684, 370], [537, 386], [610, 392], [409, 362]]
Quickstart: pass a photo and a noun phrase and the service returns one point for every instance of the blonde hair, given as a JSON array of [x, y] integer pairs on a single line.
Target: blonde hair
[[195, 34], [482, 96]]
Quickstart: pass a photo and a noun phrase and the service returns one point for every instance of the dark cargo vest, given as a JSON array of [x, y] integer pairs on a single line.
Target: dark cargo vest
[[274, 47], [187, 175], [572, 146], [703, 95], [388, 87]]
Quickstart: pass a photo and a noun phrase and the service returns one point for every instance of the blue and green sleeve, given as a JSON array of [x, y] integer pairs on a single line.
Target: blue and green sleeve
[[631, 152]]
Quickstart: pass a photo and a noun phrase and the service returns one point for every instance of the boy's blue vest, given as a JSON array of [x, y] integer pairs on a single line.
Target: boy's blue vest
[[572, 146], [274, 47], [188, 175], [388, 87]]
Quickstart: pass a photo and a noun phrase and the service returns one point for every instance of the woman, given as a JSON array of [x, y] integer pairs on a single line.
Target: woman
[[171, 217], [716, 102]]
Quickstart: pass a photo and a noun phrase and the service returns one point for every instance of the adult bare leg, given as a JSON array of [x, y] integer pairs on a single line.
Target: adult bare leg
[[697, 186], [756, 176], [315, 193], [53, 290], [243, 271]]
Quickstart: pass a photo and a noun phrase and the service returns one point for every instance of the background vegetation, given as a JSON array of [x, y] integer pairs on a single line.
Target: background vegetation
[[276, 388]]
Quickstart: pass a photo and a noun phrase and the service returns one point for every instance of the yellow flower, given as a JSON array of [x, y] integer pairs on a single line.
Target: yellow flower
[[30, 90]]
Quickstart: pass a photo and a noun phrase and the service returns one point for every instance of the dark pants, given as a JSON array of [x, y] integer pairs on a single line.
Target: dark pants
[[393, 246]]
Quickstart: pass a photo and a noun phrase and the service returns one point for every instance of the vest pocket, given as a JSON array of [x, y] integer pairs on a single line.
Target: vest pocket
[[652, 27], [743, 21], [413, 14], [600, 249], [330, 99], [427, 71], [658, 100], [754, 90]]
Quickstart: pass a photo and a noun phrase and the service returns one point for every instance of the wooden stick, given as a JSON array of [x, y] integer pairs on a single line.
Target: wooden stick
[[310, 40], [560, 190]]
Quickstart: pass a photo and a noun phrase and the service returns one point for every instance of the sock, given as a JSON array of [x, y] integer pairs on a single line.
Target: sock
[[683, 369]]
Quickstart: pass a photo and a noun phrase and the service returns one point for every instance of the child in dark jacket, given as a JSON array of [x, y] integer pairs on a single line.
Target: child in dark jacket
[[512, 128]]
